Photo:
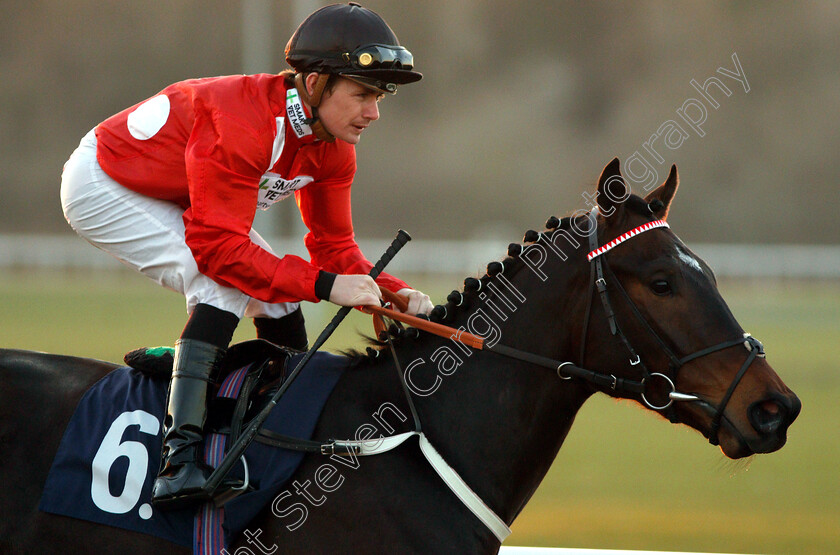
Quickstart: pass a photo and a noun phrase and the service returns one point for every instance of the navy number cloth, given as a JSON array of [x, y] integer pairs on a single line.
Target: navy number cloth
[[110, 453]]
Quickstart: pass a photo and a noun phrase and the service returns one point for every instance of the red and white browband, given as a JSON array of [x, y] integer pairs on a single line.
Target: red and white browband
[[623, 237]]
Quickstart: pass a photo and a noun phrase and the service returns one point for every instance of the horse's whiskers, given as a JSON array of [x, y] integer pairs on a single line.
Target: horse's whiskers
[[735, 466]]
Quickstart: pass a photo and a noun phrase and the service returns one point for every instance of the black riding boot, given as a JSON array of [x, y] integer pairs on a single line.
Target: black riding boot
[[183, 473], [288, 331]]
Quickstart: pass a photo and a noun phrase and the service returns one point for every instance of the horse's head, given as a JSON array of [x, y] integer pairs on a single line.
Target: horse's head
[[672, 328]]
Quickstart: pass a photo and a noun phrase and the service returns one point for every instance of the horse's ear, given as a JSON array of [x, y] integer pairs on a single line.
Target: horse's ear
[[612, 190], [664, 194]]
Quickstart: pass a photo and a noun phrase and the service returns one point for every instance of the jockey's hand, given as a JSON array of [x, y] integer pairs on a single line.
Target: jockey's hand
[[355, 290], [418, 302]]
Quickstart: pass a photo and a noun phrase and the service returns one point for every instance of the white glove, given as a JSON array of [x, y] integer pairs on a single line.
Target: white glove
[[355, 290], [418, 302]]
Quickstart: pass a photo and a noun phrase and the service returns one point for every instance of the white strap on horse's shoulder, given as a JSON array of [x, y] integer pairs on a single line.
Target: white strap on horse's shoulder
[[451, 478], [378, 446], [467, 496]]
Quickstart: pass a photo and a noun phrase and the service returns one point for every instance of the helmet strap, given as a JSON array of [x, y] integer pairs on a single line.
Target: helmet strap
[[313, 101], [320, 131]]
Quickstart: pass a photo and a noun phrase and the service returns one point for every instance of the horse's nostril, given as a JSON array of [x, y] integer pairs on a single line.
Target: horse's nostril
[[770, 407], [767, 416]]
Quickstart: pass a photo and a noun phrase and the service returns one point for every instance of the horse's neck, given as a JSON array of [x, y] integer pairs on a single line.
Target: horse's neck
[[499, 421]]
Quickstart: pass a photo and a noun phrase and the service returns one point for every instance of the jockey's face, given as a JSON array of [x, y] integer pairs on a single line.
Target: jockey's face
[[349, 109]]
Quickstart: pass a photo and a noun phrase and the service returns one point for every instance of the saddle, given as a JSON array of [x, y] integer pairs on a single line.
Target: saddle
[[156, 362], [125, 409], [267, 372], [269, 368]]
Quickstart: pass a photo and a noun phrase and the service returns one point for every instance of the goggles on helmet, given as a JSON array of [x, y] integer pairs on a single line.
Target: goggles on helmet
[[372, 83], [379, 56]]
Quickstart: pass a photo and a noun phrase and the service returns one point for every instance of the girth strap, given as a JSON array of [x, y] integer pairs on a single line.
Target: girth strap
[[362, 448], [345, 448], [460, 488]]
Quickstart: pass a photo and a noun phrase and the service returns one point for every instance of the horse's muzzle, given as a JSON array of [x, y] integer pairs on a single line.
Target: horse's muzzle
[[771, 418]]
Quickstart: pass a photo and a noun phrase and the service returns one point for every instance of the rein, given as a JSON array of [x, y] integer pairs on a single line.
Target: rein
[[566, 370], [600, 273]]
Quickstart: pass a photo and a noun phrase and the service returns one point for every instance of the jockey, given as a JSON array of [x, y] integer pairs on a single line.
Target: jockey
[[170, 187]]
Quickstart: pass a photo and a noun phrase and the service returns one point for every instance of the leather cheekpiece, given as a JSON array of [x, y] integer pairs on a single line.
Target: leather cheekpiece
[[313, 101]]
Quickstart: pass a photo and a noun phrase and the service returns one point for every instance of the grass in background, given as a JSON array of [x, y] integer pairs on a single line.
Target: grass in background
[[624, 479], [106, 315]]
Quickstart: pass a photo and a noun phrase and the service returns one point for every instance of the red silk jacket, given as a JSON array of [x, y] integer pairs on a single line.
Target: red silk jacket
[[222, 147]]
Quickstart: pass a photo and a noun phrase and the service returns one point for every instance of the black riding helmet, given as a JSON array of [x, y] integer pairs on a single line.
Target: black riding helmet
[[354, 42]]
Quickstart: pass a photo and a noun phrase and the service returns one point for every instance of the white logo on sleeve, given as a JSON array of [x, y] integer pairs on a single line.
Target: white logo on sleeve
[[274, 188], [147, 119]]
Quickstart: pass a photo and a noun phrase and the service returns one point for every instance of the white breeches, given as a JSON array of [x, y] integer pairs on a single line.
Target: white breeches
[[146, 234]]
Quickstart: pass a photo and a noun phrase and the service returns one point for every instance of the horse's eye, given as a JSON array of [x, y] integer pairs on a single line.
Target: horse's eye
[[661, 287]]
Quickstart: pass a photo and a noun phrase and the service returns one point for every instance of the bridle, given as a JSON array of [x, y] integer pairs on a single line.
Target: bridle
[[599, 273], [599, 270]]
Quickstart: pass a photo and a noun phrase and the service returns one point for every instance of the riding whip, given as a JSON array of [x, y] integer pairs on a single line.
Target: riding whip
[[250, 432]]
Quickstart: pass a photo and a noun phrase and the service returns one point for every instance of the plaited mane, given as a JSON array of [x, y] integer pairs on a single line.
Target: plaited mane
[[473, 291]]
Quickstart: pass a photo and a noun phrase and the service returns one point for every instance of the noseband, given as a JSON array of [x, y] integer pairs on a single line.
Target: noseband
[[599, 273]]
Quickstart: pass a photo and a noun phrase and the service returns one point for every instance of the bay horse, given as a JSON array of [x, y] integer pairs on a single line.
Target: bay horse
[[615, 295]]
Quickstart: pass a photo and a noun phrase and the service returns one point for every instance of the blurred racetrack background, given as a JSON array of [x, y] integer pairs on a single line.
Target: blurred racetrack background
[[521, 106]]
